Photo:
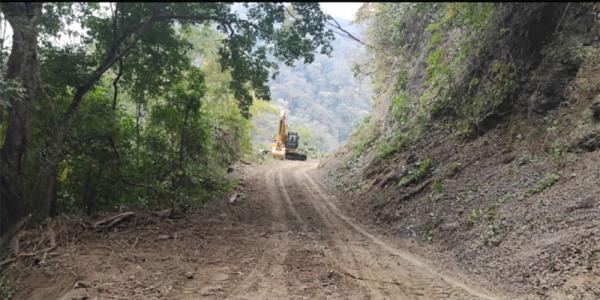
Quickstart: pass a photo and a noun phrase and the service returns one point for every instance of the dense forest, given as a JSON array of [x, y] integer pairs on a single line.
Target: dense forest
[[144, 106]]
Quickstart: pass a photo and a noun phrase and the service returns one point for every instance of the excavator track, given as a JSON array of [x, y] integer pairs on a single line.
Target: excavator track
[[295, 156]]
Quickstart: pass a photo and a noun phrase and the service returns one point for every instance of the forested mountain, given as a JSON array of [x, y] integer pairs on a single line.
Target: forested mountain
[[323, 100]]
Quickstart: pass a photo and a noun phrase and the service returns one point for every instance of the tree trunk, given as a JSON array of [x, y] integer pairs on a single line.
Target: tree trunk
[[23, 67], [43, 190], [182, 142], [138, 115], [89, 193]]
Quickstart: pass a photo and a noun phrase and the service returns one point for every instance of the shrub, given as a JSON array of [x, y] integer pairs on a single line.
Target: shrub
[[415, 175], [455, 167], [386, 150], [473, 217], [437, 187], [543, 184]]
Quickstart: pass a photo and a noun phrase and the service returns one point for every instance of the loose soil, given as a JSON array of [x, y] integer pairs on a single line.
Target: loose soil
[[521, 218], [285, 236]]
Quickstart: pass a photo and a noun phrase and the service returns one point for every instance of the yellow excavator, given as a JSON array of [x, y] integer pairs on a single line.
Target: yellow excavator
[[286, 143]]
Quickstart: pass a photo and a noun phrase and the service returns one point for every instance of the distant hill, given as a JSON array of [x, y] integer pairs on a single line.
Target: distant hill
[[323, 100]]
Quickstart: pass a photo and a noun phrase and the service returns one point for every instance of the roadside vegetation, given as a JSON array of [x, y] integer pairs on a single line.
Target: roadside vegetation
[[145, 106]]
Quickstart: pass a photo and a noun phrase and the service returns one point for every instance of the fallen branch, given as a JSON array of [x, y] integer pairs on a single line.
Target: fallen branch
[[112, 220], [8, 236], [51, 236]]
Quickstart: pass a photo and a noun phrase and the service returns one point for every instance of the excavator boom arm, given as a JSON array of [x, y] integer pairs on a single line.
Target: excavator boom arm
[[282, 128]]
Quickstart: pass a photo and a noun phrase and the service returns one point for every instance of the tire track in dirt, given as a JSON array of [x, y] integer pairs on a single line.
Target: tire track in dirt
[[350, 260], [424, 286], [288, 201], [214, 281], [336, 235], [424, 281], [312, 250], [381, 283], [267, 274], [308, 267]]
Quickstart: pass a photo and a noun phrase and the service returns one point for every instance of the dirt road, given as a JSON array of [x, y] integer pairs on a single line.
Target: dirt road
[[287, 238]]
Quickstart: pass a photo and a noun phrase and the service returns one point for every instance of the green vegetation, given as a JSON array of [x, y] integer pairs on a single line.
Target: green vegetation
[[386, 150], [145, 107], [437, 190], [559, 153], [437, 187], [455, 167], [8, 287], [492, 238], [446, 67], [452, 90], [543, 184], [175, 154], [490, 213], [361, 147], [473, 217], [415, 175], [429, 232], [363, 137], [324, 96], [505, 198], [425, 165], [7, 292]]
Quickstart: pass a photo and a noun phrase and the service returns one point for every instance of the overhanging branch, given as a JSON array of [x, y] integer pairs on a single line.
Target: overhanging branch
[[338, 29], [345, 33]]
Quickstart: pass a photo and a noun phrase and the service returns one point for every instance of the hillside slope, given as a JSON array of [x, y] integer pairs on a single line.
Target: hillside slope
[[485, 139]]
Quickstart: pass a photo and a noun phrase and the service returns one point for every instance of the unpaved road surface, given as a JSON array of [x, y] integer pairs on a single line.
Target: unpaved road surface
[[287, 237]]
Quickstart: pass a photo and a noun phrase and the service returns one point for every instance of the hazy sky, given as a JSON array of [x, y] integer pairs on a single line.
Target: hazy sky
[[341, 10]]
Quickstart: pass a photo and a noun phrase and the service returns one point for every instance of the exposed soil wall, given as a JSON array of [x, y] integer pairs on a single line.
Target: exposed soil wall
[[517, 200]]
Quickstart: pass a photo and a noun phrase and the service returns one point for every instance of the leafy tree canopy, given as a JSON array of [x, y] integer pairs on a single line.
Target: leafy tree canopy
[[145, 41]]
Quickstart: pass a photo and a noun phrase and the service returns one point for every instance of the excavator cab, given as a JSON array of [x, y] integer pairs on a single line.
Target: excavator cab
[[291, 145], [292, 140]]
